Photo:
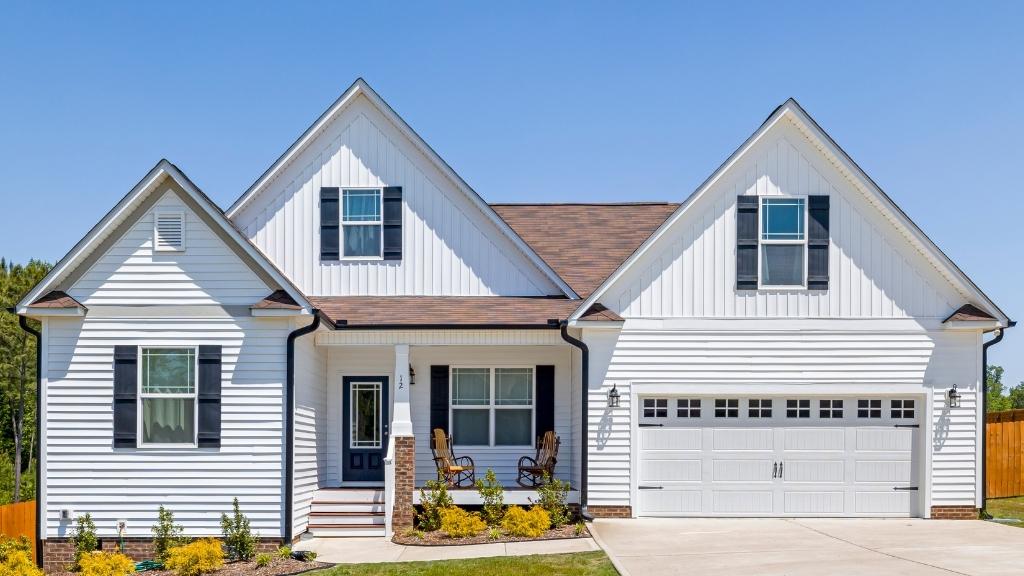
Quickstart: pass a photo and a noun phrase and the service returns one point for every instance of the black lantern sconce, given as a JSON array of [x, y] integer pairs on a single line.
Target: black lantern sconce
[[613, 397], [412, 376], [954, 397]]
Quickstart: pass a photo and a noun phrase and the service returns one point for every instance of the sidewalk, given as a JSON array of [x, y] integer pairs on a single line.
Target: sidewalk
[[372, 550]]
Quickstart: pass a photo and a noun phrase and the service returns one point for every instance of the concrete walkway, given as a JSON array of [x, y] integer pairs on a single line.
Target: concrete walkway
[[372, 550], [799, 547]]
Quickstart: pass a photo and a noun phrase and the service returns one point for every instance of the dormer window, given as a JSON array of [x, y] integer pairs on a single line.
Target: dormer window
[[783, 242], [361, 223], [169, 232]]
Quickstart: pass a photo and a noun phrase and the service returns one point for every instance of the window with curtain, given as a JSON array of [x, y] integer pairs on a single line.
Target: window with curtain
[[361, 223], [783, 242], [492, 406], [168, 396]]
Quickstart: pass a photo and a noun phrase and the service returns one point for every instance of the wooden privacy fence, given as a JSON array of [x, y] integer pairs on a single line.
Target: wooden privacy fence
[[1004, 460], [19, 520]]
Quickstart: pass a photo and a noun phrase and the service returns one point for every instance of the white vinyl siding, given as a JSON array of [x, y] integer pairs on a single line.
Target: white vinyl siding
[[312, 427], [449, 246], [132, 273]]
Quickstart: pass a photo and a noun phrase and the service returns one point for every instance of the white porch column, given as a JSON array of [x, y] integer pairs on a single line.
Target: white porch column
[[401, 421]]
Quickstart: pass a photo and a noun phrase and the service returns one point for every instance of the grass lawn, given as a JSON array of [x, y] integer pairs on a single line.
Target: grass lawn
[[579, 564], [1007, 508]]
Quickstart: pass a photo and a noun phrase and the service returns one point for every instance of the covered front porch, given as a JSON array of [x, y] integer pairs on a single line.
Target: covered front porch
[[368, 403]]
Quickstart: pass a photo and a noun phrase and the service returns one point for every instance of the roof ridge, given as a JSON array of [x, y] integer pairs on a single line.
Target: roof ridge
[[640, 203]]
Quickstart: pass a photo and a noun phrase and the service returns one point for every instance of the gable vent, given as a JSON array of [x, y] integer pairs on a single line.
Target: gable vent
[[169, 231]]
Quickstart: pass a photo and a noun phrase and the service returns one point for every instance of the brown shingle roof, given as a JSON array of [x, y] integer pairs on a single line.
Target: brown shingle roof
[[969, 312], [56, 299], [476, 311], [278, 300], [585, 243]]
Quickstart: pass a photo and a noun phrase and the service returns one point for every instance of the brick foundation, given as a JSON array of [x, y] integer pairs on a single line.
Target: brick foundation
[[58, 553], [405, 480], [610, 511], [954, 513]]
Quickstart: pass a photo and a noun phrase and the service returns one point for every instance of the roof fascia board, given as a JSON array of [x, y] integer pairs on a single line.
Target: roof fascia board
[[360, 87]]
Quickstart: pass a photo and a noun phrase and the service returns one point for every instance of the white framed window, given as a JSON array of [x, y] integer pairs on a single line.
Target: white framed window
[[869, 408], [168, 231], [167, 396], [782, 262], [759, 408], [901, 408], [727, 407], [655, 407], [362, 224], [688, 408], [798, 408], [830, 408], [492, 406]]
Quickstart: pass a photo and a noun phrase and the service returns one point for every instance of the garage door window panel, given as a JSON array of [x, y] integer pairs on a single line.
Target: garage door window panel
[[655, 407], [688, 408], [727, 407], [832, 409], [798, 408], [759, 408], [869, 408], [902, 409]]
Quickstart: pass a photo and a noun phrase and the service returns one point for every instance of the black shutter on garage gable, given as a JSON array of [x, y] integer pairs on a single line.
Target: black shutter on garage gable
[[208, 395], [545, 408], [438, 398], [817, 242], [330, 220], [126, 390], [392, 222], [746, 242]]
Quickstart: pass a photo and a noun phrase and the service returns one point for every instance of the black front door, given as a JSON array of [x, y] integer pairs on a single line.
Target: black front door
[[365, 427]]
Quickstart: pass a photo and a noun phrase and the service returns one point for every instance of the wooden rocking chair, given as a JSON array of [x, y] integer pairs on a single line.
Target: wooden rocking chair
[[533, 470], [456, 472]]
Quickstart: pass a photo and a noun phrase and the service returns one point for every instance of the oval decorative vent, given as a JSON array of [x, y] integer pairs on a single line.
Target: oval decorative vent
[[169, 231]]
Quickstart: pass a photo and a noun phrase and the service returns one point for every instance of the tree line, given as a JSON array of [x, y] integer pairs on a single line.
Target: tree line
[[1013, 399]]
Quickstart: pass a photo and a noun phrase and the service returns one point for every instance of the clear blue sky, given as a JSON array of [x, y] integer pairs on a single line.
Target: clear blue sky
[[527, 101]]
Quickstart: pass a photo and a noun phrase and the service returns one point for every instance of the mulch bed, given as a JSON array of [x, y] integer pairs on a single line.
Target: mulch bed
[[278, 567], [438, 538]]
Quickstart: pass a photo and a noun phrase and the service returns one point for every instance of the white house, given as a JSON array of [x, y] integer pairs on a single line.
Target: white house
[[784, 342]]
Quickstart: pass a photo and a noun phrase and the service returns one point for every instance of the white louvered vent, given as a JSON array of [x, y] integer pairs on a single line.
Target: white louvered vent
[[169, 231]]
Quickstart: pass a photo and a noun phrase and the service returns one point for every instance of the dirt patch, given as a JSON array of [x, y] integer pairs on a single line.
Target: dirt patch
[[278, 567], [438, 538]]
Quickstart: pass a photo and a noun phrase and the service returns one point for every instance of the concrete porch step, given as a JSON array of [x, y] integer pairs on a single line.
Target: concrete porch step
[[344, 507], [347, 511], [345, 530], [349, 495], [347, 518]]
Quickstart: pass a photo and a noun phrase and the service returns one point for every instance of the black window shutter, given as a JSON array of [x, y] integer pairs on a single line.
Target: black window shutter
[[330, 218], [746, 242], [439, 398], [209, 397], [126, 391], [392, 220], [545, 408], [817, 243]]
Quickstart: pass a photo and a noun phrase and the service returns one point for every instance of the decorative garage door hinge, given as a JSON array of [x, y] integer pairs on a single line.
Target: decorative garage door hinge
[[650, 487], [643, 425], [913, 488]]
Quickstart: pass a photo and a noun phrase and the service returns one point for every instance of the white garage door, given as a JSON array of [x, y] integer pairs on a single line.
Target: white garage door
[[772, 456]]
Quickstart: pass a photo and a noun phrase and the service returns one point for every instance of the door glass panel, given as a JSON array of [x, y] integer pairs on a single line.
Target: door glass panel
[[365, 415]]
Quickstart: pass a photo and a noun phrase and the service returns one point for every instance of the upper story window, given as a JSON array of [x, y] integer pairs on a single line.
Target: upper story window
[[361, 223], [167, 382], [783, 242]]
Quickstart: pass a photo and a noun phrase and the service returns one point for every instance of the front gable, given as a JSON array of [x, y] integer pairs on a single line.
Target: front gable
[[875, 268], [452, 244]]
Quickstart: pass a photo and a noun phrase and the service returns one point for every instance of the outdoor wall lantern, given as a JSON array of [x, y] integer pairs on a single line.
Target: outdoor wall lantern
[[954, 397], [613, 397], [412, 376]]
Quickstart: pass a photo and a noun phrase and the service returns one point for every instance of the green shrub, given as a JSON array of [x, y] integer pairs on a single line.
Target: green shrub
[[263, 560], [16, 557], [84, 538], [284, 551], [493, 533], [428, 518], [238, 538], [551, 495], [526, 524], [457, 523], [413, 533], [105, 564], [580, 529], [199, 557], [166, 534], [493, 496]]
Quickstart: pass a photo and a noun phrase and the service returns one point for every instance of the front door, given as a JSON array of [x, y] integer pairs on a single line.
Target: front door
[[364, 427]]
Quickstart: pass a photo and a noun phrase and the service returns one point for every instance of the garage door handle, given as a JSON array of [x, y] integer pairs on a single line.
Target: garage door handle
[[775, 469], [650, 487]]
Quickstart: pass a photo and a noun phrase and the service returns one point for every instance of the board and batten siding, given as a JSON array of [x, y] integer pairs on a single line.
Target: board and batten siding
[[84, 473], [818, 359], [312, 421], [132, 273], [449, 247], [873, 271]]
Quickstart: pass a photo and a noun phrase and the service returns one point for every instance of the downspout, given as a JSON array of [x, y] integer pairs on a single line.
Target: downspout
[[23, 322], [289, 427], [984, 408], [585, 381]]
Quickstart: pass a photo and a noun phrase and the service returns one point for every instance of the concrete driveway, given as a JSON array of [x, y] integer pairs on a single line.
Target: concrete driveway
[[797, 547]]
